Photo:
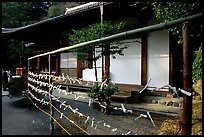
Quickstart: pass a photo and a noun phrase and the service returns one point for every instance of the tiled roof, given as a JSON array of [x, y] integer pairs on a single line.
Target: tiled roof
[[83, 7]]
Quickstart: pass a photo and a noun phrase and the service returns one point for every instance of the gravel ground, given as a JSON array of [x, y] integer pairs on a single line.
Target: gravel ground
[[22, 121]]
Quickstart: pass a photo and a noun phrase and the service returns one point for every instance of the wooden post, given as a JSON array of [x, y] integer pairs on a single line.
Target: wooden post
[[50, 93], [187, 81], [28, 101]]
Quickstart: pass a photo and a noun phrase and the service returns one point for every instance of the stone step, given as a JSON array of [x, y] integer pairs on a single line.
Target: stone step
[[152, 108], [175, 102], [158, 93]]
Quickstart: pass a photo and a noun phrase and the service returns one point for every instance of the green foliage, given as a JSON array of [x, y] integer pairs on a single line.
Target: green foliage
[[197, 65], [102, 94], [95, 31], [168, 11], [70, 127], [17, 14]]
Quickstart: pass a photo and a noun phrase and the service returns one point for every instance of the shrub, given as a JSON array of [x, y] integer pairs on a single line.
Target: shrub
[[103, 95], [16, 85], [197, 65]]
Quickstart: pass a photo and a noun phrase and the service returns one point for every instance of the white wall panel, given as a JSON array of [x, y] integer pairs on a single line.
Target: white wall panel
[[89, 74], [127, 69], [158, 58]]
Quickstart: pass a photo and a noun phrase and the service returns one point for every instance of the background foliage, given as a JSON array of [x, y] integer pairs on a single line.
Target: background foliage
[[168, 11], [95, 31]]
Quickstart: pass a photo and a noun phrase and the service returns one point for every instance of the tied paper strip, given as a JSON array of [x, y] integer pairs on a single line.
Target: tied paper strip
[[172, 88], [185, 92], [125, 110], [145, 87], [90, 102], [141, 115], [102, 106], [86, 120], [61, 115], [103, 83], [107, 126], [150, 118], [92, 122], [79, 97], [114, 130], [98, 123], [127, 133], [74, 111]]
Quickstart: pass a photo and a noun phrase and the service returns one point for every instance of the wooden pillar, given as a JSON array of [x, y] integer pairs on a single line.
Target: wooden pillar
[[79, 70], [187, 81], [144, 60], [107, 61], [39, 64], [57, 64]]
